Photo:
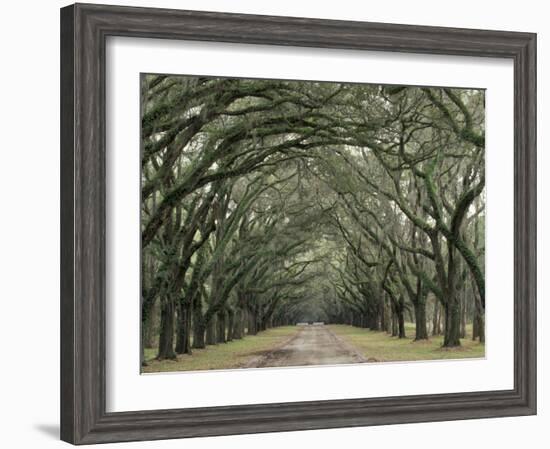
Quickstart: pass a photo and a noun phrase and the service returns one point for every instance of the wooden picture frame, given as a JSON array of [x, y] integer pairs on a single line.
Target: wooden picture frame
[[84, 29]]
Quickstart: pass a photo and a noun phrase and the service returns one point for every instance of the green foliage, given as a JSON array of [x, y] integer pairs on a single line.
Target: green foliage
[[347, 203]]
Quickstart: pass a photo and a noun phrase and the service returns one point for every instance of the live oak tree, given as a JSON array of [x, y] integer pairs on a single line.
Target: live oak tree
[[268, 202]]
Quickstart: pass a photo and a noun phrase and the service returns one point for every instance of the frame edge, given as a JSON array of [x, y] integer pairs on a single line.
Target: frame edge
[[83, 416], [67, 385]]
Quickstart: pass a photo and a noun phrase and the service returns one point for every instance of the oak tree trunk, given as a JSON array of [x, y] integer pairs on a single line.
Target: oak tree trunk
[[166, 337], [252, 323], [199, 331], [394, 324], [211, 331], [462, 316], [220, 331], [401, 318], [238, 325], [420, 320], [230, 324], [452, 324], [183, 337]]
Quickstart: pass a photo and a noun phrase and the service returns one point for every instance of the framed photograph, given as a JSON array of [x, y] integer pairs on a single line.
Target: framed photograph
[[274, 223]]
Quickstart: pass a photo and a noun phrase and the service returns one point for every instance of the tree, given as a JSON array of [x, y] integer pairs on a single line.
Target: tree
[[267, 202]]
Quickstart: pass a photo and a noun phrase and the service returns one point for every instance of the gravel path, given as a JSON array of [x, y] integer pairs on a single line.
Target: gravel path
[[313, 345]]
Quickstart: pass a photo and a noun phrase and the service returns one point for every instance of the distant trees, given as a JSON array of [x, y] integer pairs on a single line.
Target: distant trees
[[266, 202]]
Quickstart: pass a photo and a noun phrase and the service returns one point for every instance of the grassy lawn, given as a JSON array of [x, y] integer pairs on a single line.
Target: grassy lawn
[[234, 354], [383, 348]]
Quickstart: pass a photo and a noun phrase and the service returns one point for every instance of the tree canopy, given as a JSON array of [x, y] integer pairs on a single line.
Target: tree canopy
[[269, 202]]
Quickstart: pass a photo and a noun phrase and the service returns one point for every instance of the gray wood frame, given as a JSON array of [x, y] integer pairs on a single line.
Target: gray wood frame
[[84, 29]]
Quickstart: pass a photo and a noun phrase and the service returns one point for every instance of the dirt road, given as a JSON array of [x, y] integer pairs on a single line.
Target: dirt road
[[313, 345]]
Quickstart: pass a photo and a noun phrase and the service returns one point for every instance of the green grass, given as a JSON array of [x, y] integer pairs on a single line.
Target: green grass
[[234, 354], [381, 347]]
